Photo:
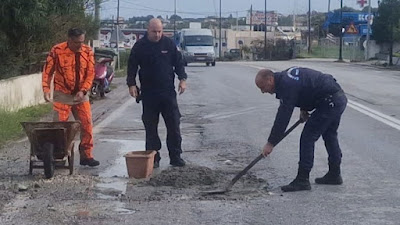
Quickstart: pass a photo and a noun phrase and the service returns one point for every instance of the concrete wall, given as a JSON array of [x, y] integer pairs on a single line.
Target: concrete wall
[[20, 92], [373, 49], [245, 36]]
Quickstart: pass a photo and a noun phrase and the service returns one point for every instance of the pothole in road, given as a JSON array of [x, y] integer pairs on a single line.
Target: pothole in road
[[188, 176], [183, 177]]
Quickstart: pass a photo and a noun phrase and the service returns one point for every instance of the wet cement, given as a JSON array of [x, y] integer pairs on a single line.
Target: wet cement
[[184, 177], [186, 183]]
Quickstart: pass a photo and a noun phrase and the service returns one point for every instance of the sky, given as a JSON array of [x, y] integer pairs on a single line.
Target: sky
[[203, 8]]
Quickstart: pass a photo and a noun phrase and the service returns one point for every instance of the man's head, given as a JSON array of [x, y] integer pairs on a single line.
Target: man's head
[[76, 37], [265, 81], [155, 30]]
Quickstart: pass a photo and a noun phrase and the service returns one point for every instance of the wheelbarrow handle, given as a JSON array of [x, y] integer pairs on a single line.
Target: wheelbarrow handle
[[261, 156]]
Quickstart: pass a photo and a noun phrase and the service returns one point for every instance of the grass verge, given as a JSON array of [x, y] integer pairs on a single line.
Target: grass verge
[[121, 72], [10, 127]]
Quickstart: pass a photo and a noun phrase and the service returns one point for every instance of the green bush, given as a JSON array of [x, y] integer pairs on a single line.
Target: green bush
[[124, 57]]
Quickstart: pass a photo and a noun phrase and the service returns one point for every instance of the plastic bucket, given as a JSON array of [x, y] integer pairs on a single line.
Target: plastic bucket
[[140, 163]]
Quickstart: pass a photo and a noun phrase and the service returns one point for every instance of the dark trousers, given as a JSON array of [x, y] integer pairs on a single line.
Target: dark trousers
[[167, 105], [323, 121]]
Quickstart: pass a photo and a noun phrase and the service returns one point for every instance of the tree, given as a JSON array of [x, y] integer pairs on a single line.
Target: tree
[[317, 22], [175, 18], [29, 28], [386, 25]]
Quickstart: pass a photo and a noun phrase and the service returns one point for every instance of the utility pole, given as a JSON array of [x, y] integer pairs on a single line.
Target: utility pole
[[368, 30], [237, 21], [329, 5], [265, 30], [341, 32], [309, 27], [119, 63], [329, 9], [251, 18], [97, 16], [220, 30]]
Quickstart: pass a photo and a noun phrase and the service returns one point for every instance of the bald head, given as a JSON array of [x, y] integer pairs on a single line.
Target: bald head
[[155, 30], [265, 81]]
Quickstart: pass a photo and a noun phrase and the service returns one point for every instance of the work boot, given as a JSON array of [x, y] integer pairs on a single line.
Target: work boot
[[157, 159], [89, 162], [300, 183], [177, 161], [332, 177]]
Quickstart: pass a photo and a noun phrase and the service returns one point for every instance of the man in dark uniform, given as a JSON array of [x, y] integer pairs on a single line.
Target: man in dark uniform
[[309, 90], [159, 61]]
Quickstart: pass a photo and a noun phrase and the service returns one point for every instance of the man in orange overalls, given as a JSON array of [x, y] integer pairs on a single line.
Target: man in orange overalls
[[72, 65]]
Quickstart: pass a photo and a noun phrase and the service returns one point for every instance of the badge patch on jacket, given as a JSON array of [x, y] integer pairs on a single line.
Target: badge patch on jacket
[[164, 52]]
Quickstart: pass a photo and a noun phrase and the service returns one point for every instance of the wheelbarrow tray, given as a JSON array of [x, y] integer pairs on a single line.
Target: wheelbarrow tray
[[56, 137]]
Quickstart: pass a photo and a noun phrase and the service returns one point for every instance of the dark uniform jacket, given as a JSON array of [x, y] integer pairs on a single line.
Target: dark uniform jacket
[[157, 63], [299, 87]]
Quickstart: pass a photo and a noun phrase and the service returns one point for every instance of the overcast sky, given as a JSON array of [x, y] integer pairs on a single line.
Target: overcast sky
[[202, 8]]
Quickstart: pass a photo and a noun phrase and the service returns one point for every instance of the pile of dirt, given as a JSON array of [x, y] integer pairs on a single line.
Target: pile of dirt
[[183, 177]]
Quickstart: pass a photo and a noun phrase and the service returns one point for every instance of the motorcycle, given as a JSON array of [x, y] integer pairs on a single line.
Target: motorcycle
[[104, 74]]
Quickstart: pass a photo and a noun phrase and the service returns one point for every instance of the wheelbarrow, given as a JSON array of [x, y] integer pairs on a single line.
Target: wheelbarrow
[[51, 145]]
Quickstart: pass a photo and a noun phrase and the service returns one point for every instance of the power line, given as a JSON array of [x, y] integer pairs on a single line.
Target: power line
[[183, 12]]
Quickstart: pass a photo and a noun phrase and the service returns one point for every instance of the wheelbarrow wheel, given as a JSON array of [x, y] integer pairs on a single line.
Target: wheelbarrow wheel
[[71, 161], [48, 160]]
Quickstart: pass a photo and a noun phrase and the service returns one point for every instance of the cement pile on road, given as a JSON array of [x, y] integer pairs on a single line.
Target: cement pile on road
[[183, 177]]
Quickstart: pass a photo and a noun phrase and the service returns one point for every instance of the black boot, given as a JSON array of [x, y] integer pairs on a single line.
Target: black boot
[[333, 176], [300, 183], [157, 159], [89, 162], [177, 161]]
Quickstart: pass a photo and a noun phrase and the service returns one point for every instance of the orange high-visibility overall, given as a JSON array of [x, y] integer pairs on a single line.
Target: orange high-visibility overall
[[73, 72]]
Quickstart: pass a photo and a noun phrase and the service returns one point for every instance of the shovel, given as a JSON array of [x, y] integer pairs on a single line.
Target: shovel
[[244, 171]]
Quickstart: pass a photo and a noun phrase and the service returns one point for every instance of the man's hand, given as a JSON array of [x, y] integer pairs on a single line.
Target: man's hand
[[46, 97], [267, 149], [182, 86], [133, 91], [304, 115], [79, 96]]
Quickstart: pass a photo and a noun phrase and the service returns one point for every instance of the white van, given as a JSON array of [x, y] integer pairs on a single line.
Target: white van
[[197, 45]]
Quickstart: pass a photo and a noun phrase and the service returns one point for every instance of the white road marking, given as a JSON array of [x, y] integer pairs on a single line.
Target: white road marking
[[395, 123]]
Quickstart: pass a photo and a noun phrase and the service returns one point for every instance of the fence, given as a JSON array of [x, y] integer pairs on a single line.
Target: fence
[[352, 49]]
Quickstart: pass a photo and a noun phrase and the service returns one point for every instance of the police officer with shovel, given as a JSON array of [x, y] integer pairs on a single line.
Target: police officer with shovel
[[310, 90]]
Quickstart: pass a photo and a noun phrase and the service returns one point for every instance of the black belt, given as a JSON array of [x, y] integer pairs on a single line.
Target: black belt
[[328, 98], [336, 94]]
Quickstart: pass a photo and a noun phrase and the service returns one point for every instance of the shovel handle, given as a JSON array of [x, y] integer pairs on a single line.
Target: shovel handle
[[244, 171]]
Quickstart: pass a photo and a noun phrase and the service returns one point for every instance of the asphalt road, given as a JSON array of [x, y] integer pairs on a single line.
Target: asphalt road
[[225, 122]]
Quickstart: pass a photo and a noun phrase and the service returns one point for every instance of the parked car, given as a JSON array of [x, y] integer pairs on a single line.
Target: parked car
[[233, 54]]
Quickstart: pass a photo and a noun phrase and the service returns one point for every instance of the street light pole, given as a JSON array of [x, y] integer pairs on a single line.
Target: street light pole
[[341, 32], [265, 30]]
